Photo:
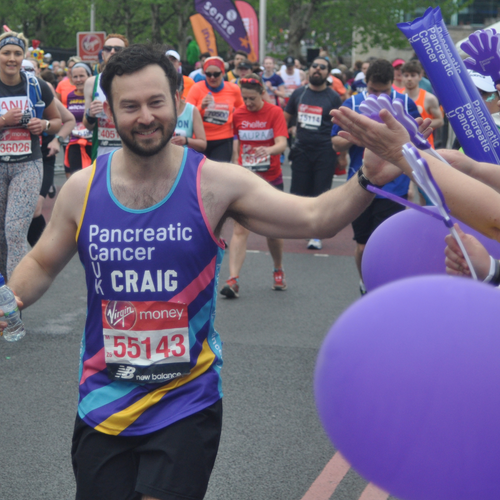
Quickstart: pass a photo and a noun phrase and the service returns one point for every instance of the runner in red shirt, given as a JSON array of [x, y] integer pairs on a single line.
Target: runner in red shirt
[[261, 133]]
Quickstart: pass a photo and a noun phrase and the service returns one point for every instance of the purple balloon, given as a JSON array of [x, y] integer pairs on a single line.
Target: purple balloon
[[411, 243], [407, 388]]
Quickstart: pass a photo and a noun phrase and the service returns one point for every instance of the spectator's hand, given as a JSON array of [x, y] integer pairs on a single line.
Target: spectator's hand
[[384, 139], [455, 261]]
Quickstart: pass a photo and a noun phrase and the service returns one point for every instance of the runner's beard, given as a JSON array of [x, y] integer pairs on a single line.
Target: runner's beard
[[130, 139], [317, 80]]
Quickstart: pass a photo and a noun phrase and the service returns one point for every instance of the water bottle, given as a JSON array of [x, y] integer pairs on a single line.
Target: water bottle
[[15, 327]]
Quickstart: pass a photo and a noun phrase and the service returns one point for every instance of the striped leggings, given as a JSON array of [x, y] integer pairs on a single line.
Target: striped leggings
[[20, 185]]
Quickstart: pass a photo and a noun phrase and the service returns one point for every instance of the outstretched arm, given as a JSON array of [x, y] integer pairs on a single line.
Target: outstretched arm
[[469, 200], [244, 196]]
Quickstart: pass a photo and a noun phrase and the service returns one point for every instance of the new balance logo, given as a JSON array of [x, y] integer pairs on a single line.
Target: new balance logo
[[125, 372]]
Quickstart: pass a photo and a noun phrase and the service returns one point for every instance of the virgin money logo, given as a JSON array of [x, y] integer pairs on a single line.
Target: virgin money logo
[[121, 315]]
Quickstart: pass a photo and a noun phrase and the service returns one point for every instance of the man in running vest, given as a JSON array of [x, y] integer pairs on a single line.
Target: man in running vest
[[150, 411], [105, 137]]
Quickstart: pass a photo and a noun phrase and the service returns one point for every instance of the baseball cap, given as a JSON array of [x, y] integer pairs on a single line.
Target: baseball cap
[[397, 62], [245, 65], [289, 61], [484, 83], [174, 54], [336, 71], [28, 65]]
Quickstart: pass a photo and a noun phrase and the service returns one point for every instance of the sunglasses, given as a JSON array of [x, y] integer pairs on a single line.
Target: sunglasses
[[215, 74], [251, 80], [320, 66], [109, 48]]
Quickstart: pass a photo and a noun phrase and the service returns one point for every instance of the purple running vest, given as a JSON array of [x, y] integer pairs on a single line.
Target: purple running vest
[[150, 355]]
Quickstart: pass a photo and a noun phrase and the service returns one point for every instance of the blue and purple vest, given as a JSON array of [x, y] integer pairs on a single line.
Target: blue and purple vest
[[150, 354]]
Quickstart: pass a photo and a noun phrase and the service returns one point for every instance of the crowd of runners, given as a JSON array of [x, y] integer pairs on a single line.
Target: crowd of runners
[[157, 160]]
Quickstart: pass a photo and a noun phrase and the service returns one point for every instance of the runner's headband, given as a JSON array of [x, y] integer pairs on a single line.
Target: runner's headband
[[12, 40], [214, 61], [84, 66]]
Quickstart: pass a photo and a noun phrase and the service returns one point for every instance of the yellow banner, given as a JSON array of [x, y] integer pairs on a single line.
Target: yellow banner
[[204, 34]]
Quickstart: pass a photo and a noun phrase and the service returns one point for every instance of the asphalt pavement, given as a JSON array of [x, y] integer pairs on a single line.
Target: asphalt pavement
[[273, 446]]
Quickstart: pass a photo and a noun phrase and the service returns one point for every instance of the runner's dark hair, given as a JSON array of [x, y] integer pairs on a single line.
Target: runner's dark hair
[[131, 60], [380, 71]]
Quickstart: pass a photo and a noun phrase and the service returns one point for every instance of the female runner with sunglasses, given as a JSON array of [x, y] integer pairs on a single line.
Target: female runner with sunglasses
[[27, 110], [216, 100], [260, 137]]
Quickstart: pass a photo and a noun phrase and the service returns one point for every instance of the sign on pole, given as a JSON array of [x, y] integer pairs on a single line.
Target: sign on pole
[[89, 44]]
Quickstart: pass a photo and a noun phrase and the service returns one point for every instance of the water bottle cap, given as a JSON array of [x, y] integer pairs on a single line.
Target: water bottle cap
[[2, 280]]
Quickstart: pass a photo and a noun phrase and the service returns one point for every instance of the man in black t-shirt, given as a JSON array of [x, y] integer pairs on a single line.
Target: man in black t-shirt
[[313, 161]]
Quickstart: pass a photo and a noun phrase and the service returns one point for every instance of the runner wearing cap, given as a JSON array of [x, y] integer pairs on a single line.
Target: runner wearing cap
[[216, 101], [244, 69], [105, 138], [398, 84], [290, 76], [239, 57], [175, 59]]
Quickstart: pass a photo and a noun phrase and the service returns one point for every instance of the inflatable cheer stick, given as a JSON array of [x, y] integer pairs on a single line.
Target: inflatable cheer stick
[[423, 177], [372, 106], [483, 47]]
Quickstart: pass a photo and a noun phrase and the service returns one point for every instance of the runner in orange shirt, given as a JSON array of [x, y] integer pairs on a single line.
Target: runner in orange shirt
[[216, 100]]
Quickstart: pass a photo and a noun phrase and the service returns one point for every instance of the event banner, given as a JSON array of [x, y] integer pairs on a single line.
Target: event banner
[[224, 17], [464, 107], [249, 17], [204, 34]]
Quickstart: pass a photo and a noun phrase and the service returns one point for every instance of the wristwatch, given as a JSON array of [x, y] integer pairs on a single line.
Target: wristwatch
[[363, 181], [47, 125], [59, 138]]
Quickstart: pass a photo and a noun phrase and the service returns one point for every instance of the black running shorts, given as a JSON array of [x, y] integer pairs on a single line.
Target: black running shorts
[[170, 464]]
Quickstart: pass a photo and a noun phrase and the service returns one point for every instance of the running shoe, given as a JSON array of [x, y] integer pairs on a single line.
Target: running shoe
[[314, 244], [231, 289], [279, 279]]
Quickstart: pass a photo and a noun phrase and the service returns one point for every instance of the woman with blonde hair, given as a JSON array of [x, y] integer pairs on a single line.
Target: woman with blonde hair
[[27, 109]]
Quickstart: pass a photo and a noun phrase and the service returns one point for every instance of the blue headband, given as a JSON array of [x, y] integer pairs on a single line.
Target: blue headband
[[12, 40]]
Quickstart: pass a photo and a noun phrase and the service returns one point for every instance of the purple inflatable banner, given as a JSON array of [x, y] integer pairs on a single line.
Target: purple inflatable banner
[[224, 17], [464, 107]]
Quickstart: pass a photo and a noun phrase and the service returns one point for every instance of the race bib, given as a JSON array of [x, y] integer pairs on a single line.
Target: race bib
[[310, 116], [145, 342], [81, 132], [251, 161], [216, 113], [15, 142], [107, 134]]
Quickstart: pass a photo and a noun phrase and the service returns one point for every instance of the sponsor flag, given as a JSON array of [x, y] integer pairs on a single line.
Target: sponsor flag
[[224, 17], [251, 23], [204, 34]]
